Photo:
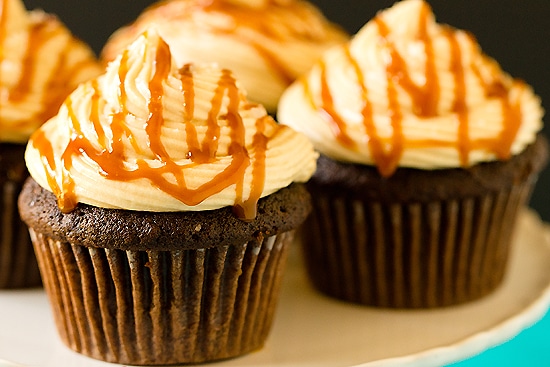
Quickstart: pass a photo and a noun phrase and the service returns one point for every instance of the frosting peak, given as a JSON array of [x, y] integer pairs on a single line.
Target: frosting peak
[[148, 135], [409, 92], [40, 64], [267, 44]]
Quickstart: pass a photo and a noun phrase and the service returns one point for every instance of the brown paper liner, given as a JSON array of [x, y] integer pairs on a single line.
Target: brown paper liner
[[160, 307], [18, 266], [410, 255]]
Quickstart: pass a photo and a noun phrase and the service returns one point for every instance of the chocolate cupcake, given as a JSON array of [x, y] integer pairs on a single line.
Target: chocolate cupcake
[[162, 205], [266, 43], [428, 152], [40, 64]]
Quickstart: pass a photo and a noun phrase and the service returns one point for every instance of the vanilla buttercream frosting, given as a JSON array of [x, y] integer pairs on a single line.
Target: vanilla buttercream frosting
[[266, 43], [409, 92], [40, 64], [148, 135]]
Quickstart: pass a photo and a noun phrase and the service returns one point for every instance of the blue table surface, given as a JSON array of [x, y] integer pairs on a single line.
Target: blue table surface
[[530, 348]]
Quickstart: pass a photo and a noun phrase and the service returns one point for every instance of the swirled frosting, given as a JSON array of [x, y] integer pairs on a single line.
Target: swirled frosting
[[409, 92], [40, 64], [266, 43], [150, 136]]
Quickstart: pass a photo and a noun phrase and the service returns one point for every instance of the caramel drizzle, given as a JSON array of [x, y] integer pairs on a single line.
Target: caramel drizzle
[[386, 152], [56, 87], [3, 26], [110, 159], [255, 18]]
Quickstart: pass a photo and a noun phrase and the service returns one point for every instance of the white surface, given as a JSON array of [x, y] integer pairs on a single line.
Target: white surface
[[312, 330]]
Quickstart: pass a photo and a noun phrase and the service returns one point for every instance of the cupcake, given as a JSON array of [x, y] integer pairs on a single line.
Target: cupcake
[[266, 43], [428, 151], [161, 205], [40, 63]]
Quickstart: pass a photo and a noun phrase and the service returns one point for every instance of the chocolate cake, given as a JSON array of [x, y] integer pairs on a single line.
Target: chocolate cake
[[18, 267], [416, 185], [132, 230], [429, 153], [163, 288], [419, 238]]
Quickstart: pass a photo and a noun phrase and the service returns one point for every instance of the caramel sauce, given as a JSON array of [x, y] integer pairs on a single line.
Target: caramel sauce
[[247, 209], [37, 37], [255, 19], [338, 125], [55, 89], [155, 121], [167, 174], [3, 26], [386, 160], [386, 152], [266, 20]]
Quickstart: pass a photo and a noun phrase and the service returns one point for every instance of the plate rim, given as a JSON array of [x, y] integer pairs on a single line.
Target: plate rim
[[476, 344]]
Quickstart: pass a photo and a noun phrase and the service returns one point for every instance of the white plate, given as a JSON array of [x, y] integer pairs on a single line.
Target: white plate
[[313, 330]]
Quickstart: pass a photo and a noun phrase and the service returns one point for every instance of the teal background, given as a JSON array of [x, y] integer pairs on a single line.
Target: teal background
[[531, 348]]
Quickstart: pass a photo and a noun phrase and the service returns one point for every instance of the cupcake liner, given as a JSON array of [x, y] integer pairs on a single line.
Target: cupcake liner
[[411, 254], [163, 307], [18, 266]]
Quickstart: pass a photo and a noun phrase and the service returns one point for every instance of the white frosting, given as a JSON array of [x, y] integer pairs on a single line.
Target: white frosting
[[457, 132], [267, 44], [123, 99], [40, 64]]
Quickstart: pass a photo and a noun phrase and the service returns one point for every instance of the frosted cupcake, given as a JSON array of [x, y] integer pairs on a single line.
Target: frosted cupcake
[[40, 64], [161, 205], [266, 43], [428, 150]]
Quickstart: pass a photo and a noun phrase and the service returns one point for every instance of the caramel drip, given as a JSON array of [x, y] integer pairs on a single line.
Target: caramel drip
[[428, 95], [155, 121], [512, 114], [41, 142], [283, 72], [244, 16], [425, 99], [247, 209], [3, 26], [256, 19], [387, 161], [94, 116], [38, 35], [56, 88], [338, 125], [64, 190], [60, 79], [110, 160], [196, 152]]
